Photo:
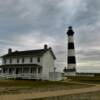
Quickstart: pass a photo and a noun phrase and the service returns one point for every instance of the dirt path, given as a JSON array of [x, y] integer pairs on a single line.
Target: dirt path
[[26, 96]]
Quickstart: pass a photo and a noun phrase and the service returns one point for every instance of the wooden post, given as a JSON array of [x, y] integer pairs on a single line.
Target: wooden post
[[37, 72]]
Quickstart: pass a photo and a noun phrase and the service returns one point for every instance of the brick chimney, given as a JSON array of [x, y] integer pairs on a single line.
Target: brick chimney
[[45, 46], [9, 50]]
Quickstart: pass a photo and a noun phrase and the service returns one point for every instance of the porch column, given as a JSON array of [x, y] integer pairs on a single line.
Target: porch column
[[1, 70], [7, 70], [22, 70], [37, 72], [7, 73], [29, 70], [14, 71]]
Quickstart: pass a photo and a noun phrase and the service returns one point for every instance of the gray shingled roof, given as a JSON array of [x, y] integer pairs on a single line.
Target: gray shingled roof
[[38, 52]]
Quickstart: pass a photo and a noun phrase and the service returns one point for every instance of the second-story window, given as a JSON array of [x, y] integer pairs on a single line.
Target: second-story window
[[10, 60], [17, 60], [4, 61], [22, 60], [31, 59], [38, 59]]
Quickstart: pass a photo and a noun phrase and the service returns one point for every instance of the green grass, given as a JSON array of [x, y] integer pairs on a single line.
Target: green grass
[[40, 84], [95, 78], [21, 86], [28, 83], [32, 83], [85, 79]]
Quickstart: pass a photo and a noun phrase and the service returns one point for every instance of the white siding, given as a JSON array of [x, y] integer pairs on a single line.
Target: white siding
[[48, 65], [26, 60]]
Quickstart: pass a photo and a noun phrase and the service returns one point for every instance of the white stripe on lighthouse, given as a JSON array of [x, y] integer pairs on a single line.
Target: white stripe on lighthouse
[[71, 52], [71, 66], [70, 39]]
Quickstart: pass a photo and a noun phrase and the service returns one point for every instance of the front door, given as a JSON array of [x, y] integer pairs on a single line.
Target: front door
[[16, 70]]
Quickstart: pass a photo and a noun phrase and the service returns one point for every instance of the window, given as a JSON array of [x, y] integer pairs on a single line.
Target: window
[[38, 59], [31, 59], [4, 70], [9, 70], [39, 70], [17, 60], [4, 61], [33, 70], [22, 60], [10, 61]]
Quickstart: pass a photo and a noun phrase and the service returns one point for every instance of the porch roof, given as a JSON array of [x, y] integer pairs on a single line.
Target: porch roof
[[20, 65]]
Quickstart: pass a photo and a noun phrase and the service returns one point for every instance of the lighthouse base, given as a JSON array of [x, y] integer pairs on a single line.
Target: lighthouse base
[[70, 72]]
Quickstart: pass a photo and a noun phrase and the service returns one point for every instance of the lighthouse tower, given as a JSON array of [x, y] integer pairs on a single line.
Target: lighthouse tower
[[71, 60]]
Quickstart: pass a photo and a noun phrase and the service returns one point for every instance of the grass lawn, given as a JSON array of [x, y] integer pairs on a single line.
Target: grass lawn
[[20, 86], [85, 79], [34, 84]]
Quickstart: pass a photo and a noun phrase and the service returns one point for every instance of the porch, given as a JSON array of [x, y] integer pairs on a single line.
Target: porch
[[26, 71]]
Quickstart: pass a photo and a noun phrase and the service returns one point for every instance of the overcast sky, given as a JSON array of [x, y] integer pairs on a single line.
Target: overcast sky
[[29, 24]]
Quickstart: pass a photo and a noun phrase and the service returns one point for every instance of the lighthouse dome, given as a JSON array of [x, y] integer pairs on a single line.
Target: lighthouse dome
[[70, 31]]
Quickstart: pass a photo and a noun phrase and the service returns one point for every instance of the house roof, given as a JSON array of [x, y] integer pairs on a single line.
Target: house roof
[[37, 53]]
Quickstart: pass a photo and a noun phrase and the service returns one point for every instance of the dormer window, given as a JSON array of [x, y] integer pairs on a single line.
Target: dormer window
[[38, 59]]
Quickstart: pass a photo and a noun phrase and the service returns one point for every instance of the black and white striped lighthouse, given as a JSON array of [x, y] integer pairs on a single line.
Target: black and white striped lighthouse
[[71, 59]]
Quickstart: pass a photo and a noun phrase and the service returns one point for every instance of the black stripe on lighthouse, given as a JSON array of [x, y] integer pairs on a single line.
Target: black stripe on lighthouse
[[71, 60], [70, 46]]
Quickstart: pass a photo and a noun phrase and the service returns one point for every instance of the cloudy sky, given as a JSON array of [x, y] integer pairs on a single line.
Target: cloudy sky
[[29, 24]]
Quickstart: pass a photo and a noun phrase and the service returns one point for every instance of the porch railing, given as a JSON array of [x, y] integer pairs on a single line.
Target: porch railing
[[21, 75]]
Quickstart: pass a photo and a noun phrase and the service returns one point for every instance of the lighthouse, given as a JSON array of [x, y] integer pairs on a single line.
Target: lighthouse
[[71, 59]]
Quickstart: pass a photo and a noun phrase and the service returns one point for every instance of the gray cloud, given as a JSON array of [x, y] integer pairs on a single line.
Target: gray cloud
[[45, 21]]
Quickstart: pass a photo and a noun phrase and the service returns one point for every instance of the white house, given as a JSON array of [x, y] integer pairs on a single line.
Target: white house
[[31, 64]]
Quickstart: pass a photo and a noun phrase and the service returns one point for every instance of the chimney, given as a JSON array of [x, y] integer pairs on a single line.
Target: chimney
[[45, 46], [9, 50]]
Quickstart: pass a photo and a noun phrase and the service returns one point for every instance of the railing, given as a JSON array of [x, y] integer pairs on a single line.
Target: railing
[[21, 75]]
